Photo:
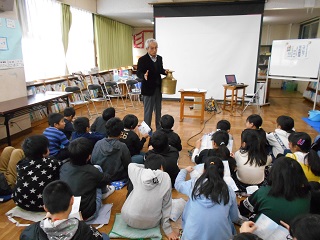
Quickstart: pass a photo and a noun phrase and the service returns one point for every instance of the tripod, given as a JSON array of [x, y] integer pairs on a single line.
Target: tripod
[[255, 98]]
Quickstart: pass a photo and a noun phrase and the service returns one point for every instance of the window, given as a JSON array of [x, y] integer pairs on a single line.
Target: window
[[309, 30], [41, 42], [80, 54]]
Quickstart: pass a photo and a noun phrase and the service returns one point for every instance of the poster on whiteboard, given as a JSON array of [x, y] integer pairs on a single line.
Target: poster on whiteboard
[[10, 44], [297, 51]]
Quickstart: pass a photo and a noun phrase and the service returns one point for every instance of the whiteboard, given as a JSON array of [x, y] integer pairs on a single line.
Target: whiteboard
[[295, 58]]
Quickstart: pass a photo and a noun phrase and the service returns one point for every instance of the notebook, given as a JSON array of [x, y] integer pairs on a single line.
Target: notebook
[[231, 80]]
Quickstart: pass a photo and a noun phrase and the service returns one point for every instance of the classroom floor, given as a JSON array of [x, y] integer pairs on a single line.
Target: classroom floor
[[281, 103]]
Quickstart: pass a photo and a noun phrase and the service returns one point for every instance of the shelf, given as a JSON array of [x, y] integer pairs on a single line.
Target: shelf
[[311, 100]]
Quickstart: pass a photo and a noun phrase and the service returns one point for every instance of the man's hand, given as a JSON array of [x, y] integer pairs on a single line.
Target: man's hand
[[189, 169], [166, 71], [173, 236], [146, 75], [248, 226]]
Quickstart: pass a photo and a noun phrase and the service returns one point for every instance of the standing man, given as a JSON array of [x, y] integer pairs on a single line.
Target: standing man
[[149, 69]]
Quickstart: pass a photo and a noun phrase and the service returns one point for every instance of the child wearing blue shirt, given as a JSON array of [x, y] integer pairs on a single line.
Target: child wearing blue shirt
[[82, 126], [58, 141]]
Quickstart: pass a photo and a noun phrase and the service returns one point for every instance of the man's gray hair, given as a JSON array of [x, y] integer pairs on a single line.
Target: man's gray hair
[[148, 41]]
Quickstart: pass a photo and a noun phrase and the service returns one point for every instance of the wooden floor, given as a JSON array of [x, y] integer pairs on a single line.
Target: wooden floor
[[281, 103]]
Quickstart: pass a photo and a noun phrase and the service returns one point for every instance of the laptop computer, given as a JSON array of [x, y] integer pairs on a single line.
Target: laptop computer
[[231, 80]]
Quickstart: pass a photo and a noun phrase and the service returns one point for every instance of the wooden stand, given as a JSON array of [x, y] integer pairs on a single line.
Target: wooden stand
[[201, 93], [233, 98]]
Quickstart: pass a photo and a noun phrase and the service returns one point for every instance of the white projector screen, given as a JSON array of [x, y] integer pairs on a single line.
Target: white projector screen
[[202, 50]]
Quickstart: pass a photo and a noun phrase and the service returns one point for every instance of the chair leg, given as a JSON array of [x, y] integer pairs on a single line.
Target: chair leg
[[95, 108], [90, 115], [124, 104], [130, 96]]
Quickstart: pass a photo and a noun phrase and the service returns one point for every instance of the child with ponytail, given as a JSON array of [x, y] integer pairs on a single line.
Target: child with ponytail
[[251, 160], [220, 141], [300, 146], [212, 205]]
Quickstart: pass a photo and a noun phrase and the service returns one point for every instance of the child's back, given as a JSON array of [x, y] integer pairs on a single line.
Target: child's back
[[251, 161], [146, 191], [278, 139], [112, 155], [58, 200], [83, 178], [131, 138], [99, 124], [82, 126], [151, 188], [167, 122], [212, 205], [34, 172], [159, 142]]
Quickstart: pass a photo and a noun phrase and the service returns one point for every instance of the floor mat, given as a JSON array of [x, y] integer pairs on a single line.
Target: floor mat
[[121, 230], [313, 124]]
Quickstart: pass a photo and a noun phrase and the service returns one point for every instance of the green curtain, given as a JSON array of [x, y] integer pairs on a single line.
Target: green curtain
[[66, 22], [113, 41]]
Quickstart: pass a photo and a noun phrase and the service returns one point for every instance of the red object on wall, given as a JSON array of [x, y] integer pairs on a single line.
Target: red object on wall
[[138, 39]]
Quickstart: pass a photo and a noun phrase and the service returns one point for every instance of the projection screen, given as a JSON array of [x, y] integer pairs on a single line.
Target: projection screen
[[201, 50]]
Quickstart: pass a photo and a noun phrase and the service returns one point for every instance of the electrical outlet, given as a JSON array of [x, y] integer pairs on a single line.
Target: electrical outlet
[[11, 124]]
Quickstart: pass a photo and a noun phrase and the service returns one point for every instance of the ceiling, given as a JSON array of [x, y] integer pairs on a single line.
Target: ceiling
[[139, 13]]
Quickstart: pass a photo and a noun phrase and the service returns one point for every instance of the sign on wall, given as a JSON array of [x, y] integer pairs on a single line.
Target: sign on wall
[[10, 44]]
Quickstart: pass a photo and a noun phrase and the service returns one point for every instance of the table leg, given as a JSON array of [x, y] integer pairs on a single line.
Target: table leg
[[181, 106], [243, 94], [202, 107], [224, 98], [6, 123]]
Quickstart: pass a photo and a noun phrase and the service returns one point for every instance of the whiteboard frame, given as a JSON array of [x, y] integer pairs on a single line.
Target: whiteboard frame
[[299, 79], [293, 78]]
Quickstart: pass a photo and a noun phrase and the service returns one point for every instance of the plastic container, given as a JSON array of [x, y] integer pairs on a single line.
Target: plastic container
[[291, 86], [314, 115]]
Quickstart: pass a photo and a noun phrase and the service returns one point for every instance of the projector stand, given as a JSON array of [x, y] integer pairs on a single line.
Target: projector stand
[[255, 98]]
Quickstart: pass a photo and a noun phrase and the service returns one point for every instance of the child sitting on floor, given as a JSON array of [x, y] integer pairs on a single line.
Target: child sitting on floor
[[99, 124], [149, 203], [34, 172], [58, 141], [69, 114], [159, 145], [219, 141], [8, 164], [84, 179], [212, 205], [167, 122], [278, 140], [300, 146], [251, 161], [112, 155], [82, 127], [206, 141], [58, 200], [131, 139], [254, 121]]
